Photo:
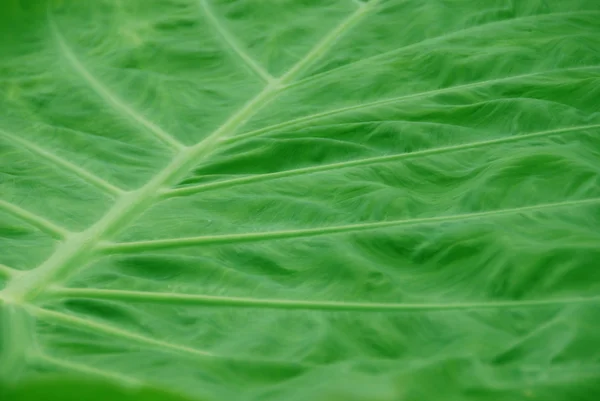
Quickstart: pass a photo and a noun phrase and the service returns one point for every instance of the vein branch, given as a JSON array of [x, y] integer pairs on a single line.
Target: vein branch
[[243, 302], [35, 220], [470, 31], [44, 360], [98, 327], [383, 102], [85, 175], [233, 44], [108, 96], [175, 243], [324, 45], [193, 189]]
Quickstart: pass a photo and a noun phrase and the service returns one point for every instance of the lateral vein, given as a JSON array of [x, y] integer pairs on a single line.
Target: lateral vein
[[107, 95], [44, 359], [35, 220], [175, 243], [225, 301], [85, 175], [189, 190], [434, 92], [233, 44], [97, 327], [319, 50], [466, 31]]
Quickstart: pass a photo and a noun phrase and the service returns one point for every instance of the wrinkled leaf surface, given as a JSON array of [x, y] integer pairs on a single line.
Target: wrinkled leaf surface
[[302, 200]]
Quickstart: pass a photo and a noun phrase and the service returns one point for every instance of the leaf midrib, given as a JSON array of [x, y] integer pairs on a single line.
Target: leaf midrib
[[78, 247]]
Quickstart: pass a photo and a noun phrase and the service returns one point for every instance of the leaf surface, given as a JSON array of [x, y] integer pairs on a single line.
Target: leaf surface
[[301, 200]]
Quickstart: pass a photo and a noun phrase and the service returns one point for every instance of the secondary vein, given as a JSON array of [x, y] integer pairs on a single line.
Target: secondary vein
[[193, 189], [98, 327], [35, 220], [225, 301], [108, 96], [44, 359], [382, 102], [456, 34], [175, 243], [85, 175], [233, 44], [319, 50]]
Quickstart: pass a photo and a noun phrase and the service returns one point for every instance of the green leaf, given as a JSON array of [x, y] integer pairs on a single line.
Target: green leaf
[[300, 200]]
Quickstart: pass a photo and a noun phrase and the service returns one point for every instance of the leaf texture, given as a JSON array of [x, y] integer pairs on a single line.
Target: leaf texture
[[301, 200]]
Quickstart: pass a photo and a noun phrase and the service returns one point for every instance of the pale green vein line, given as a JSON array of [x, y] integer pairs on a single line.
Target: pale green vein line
[[44, 359], [368, 161], [175, 243], [59, 161], [456, 34], [555, 321], [107, 95], [37, 221], [97, 327], [322, 47], [224, 301], [317, 116], [233, 44], [162, 346]]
